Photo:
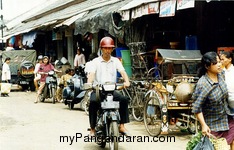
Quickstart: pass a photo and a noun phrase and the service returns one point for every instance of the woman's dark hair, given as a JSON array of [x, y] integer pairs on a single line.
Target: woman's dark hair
[[46, 57], [228, 54], [207, 60], [8, 58]]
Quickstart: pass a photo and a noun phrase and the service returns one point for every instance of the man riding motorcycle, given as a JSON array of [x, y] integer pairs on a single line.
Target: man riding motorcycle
[[104, 69]]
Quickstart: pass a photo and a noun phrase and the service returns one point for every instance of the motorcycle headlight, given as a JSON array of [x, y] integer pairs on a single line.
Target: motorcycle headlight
[[109, 87], [51, 72]]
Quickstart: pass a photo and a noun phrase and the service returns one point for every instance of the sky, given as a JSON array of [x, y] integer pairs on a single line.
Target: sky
[[13, 8]]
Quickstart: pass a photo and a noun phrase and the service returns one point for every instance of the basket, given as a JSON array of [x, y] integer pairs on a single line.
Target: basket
[[220, 143]]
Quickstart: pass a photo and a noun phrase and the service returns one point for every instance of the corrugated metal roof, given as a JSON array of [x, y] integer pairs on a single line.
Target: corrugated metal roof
[[61, 15], [69, 21]]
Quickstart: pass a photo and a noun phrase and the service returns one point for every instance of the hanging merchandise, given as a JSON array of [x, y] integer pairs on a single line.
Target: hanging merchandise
[[29, 38]]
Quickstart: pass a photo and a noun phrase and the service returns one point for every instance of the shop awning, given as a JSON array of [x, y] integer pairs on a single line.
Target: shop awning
[[100, 18], [55, 16], [7, 36], [71, 20]]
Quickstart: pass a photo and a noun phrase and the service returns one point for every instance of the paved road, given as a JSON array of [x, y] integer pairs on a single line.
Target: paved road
[[28, 126]]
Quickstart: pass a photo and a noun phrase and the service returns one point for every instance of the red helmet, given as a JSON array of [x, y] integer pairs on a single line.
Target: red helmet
[[107, 42]]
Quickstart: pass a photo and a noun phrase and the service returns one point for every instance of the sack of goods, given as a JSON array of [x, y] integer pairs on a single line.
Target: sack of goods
[[5, 88], [201, 142]]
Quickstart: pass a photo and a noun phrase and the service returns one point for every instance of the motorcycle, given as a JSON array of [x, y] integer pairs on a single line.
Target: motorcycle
[[108, 117], [73, 93], [50, 87]]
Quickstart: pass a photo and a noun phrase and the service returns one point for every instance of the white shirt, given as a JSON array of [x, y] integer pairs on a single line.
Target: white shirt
[[106, 71], [6, 73], [79, 60], [88, 67], [37, 67], [229, 75]]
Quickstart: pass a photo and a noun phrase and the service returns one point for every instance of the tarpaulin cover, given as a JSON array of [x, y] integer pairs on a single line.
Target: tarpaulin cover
[[17, 57], [101, 18], [181, 55]]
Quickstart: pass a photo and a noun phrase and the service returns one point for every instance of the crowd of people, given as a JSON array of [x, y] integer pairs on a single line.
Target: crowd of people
[[213, 95], [99, 70]]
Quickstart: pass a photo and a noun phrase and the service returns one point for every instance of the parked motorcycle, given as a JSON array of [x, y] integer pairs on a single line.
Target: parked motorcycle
[[73, 94], [50, 87], [108, 117]]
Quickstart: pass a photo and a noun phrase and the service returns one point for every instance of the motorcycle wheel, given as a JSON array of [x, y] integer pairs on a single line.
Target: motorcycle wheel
[[45, 92], [70, 105], [32, 86], [53, 95], [101, 142], [82, 104], [41, 98], [84, 101], [87, 107], [113, 135]]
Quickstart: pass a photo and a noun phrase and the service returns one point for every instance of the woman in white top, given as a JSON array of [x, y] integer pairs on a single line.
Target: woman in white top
[[79, 58], [227, 61], [36, 74], [6, 72]]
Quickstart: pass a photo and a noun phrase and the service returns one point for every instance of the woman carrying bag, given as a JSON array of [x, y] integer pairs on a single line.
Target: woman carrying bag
[[209, 98], [6, 78]]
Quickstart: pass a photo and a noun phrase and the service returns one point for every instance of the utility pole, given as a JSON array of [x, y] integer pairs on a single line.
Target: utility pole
[[2, 25]]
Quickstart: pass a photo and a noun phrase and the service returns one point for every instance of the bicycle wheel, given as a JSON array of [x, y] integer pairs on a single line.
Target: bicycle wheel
[[154, 74], [138, 108], [125, 93], [152, 116]]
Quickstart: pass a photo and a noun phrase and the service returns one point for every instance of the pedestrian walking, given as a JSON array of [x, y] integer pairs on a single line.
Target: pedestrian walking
[[6, 76]]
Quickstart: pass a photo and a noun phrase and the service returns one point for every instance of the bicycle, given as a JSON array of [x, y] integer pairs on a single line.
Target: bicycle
[[136, 93], [154, 102]]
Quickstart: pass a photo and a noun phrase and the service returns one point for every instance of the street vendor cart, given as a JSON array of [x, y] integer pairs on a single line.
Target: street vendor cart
[[168, 101]]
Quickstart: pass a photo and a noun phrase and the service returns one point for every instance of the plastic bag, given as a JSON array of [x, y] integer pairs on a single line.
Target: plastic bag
[[204, 144], [5, 88], [193, 141]]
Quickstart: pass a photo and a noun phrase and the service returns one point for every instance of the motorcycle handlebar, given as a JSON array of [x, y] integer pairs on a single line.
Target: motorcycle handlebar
[[88, 86]]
